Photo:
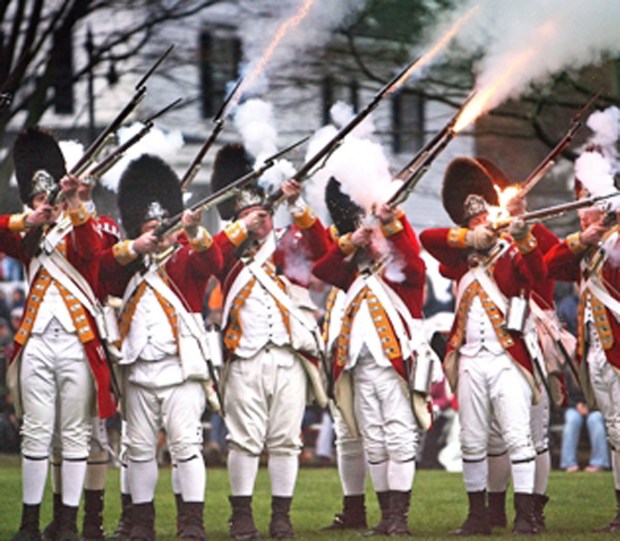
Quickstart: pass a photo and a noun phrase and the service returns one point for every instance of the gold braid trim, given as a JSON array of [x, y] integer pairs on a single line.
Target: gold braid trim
[[78, 216], [202, 241], [457, 237], [17, 222], [123, 252], [236, 233], [304, 219], [395, 226], [345, 244], [573, 241], [527, 244]]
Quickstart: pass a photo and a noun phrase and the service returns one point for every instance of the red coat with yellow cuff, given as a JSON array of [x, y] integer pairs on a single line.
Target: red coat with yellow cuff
[[188, 269], [335, 268], [514, 272], [302, 243], [564, 263], [82, 248]]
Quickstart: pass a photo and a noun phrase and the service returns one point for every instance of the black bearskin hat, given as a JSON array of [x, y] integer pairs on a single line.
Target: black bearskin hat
[[465, 177], [35, 150], [231, 163], [148, 189], [344, 212], [498, 177]]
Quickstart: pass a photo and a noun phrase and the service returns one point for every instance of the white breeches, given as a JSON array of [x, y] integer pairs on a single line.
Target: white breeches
[[539, 426], [56, 381], [265, 399], [605, 381], [383, 413], [177, 409], [346, 443], [491, 387]]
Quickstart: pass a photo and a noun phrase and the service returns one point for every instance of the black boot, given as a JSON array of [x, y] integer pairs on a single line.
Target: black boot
[[477, 521], [142, 522], [280, 526], [241, 523], [383, 525], [353, 516], [540, 500], [92, 527], [399, 510], [29, 528], [497, 509], [51, 530], [524, 519], [123, 527], [192, 523], [614, 525], [67, 529]]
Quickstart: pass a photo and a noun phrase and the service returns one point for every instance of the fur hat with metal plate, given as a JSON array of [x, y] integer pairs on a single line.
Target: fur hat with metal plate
[[231, 163], [345, 213], [39, 163], [148, 190], [467, 190]]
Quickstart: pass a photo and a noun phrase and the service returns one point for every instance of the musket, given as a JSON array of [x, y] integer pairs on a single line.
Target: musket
[[549, 160], [111, 159], [218, 122], [170, 224], [555, 210], [83, 162], [33, 237], [330, 146], [413, 172]]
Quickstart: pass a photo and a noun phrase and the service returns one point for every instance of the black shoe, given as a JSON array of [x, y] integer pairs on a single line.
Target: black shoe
[[280, 526], [383, 526], [241, 523], [525, 523], [353, 516], [29, 527], [477, 521]]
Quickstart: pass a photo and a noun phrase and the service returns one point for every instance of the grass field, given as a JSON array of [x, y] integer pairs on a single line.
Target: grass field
[[579, 502]]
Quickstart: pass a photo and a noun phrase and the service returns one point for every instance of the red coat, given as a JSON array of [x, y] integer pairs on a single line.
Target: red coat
[[513, 273], [543, 289], [334, 269], [310, 243], [564, 264], [189, 271], [84, 247]]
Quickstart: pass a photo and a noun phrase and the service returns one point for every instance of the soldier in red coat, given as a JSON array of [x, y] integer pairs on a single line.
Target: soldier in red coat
[[589, 257], [166, 381], [59, 359], [550, 333], [270, 363], [382, 273], [487, 362]]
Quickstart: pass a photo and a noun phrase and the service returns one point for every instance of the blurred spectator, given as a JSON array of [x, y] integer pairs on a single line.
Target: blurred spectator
[[5, 310], [9, 428], [566, 302], [16, 318], [12, 270], [18, 298], [576, 415]]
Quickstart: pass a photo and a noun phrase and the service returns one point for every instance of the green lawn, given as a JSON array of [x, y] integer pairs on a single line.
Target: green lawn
[[578, 502]]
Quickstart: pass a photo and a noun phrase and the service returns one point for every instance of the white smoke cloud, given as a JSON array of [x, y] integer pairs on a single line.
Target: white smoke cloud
[[358, 163], [303, 34], [526, 42], [72, 151], [157, 142]]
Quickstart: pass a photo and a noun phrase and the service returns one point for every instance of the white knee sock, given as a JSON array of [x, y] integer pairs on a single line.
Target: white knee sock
[[142, 480], [541, 478], [523, 474], [174, 478], [499, 473], [96, 474], [400, 475], [475, 475], [283, 474], [124, 479], [34, 475], [242, 470], [379, 476], [615, 467], [192, 477], [352, 471], [73, 473]]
